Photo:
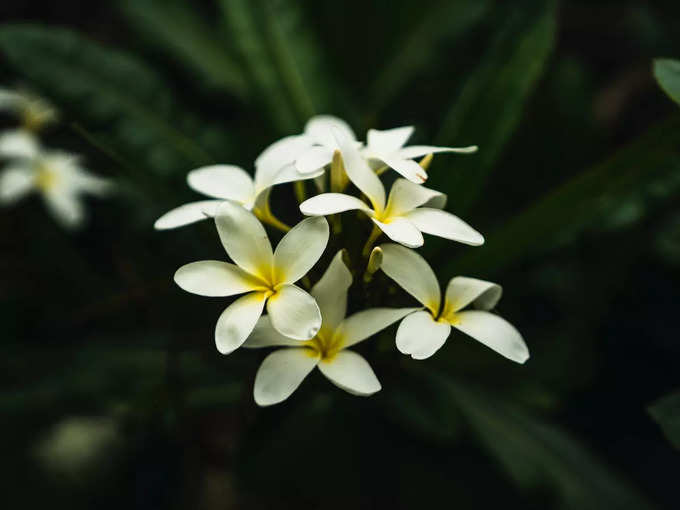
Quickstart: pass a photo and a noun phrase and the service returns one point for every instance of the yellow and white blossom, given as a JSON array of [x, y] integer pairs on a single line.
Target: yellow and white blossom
[[422, 333], [388, 147], [33, 111], [284, 370], [229, 182], [266, 276], [403, 218], [57, 176]]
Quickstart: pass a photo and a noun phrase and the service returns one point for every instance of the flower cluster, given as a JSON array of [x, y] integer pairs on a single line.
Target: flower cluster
[[309, 322], [56, 175]]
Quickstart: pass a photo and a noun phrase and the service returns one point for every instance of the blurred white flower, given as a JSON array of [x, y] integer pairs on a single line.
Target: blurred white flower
[[228, 182], [284, 370], [319, 135], [388, 147], [266, 276], [402, 219], [422, 333], [57, 176], [34, 112]]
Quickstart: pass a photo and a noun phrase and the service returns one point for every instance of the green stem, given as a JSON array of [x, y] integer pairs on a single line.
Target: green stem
[[300, 192], [375, 233]]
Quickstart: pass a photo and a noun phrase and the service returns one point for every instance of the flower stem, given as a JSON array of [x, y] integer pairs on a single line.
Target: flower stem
[[375, 233], [300, 192]]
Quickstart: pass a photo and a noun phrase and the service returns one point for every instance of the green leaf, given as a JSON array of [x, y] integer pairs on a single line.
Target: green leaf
[[535, 453], [448, 21], [667, 74], [175, 28], [645, 172], [283, 62], [490, 105], [110, 91], [666, 412]]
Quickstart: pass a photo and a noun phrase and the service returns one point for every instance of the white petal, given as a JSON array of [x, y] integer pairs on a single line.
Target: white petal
[[443, 224], [187, 214], [330, 293], [494, 332], [238, 321], [360, 173], [412, 273], [281, 373], [461, 291], [66, 208], [332, 203], [351, 372], [415, 151], [402, 231], [388, 141], [407, 168], [313, 159], [92, 184], [300, 249], [264, 335], [214, 278], [9, 99], [294, 313], [222, 181], [15, 183], [365, 324], [406, 196], [281, 153], [244, 239], [321, 128], [290, 174], [421, 336], [18, 143], [437, 202]]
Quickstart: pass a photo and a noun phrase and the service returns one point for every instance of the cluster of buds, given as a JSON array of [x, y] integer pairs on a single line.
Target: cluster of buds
[[309, 321]]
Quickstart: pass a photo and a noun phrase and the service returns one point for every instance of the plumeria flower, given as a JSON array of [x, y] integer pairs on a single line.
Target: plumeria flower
[[266, 276], [402, 219], [422, 333], [388, 147], [284, 370], [33, 111], [57, 176], [18, 143], [228, 182], [313, 149]]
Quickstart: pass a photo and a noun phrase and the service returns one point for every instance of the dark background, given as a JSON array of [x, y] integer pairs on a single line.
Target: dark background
[[112, 392]]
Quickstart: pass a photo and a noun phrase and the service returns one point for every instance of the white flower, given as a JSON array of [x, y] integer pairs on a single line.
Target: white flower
[[33, 111], [402, 219], [422, 333], [57, 176], [321, 142], [228, 182], [284, 370], [266, 276], [388, 147]]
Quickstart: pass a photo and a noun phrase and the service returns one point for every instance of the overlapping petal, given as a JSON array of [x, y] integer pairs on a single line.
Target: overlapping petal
[[244, 239], [294, 313], [443, 224], [402, 231], [461, 291], [332, 203], [15, 183], [330, 293], [214, 278], [222, 181], [416, 151], [494, 332], [420, 336], [300, 249], [281, 373], [388, 141], [412, 273], [406, 196], [365, 324], [264, 335], [238, 321], [351, 372], [187, 214]]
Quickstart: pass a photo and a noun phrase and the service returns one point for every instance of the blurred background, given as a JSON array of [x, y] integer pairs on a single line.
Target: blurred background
[[112, 393]]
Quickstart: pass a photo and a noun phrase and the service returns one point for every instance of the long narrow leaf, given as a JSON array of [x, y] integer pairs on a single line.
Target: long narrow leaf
[[491, 103]]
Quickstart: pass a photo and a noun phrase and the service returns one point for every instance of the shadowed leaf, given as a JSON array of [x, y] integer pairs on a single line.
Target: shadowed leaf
[[666, 412], [667, 73]]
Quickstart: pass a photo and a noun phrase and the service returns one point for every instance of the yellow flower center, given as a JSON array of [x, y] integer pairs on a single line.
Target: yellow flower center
[[324, 344], [45, 179]]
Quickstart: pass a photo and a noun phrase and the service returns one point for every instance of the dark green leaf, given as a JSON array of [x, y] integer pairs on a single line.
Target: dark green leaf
[[667, 73], [534, 452], [110, 91], [491, 103], [645, 171], [666, 412], [175, 28]]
